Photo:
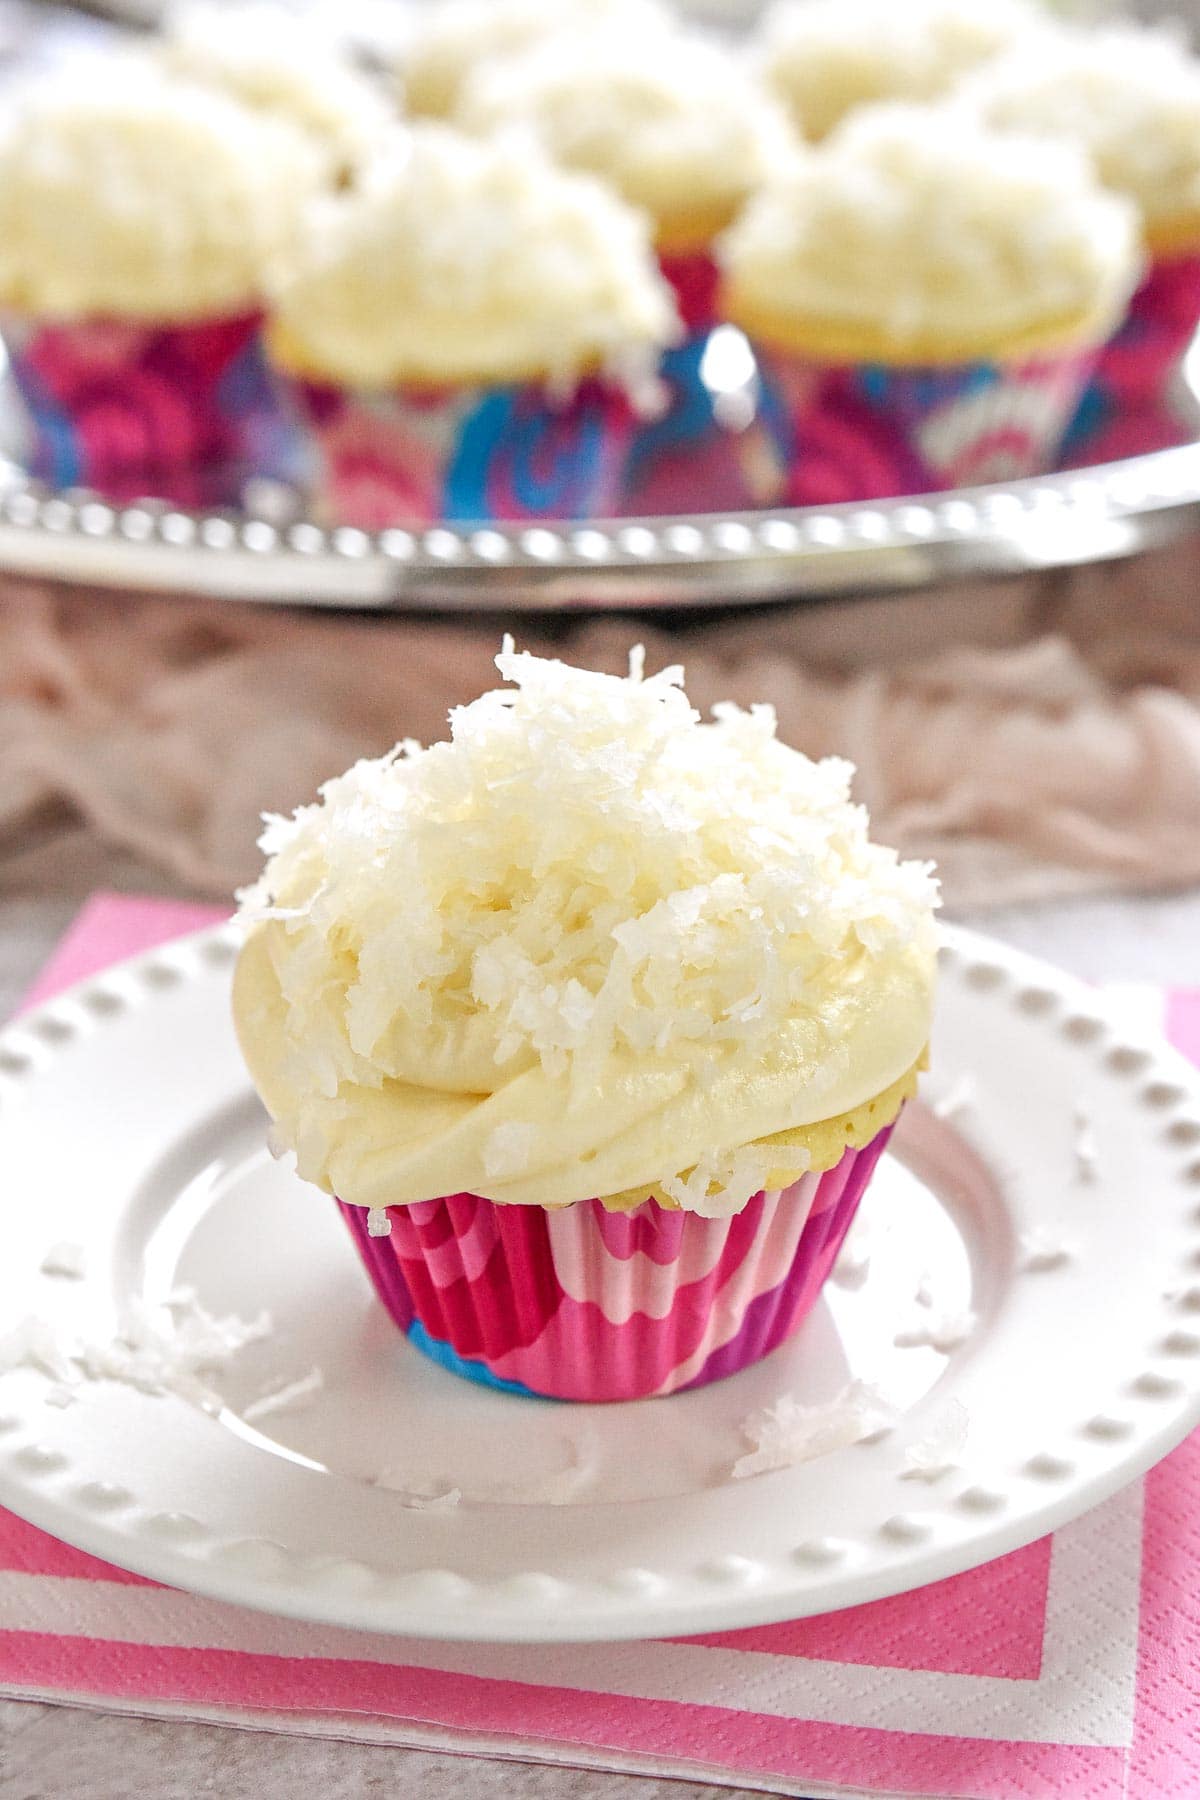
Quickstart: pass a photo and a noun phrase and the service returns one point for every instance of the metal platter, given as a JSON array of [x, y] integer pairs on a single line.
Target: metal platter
[[702, 559]]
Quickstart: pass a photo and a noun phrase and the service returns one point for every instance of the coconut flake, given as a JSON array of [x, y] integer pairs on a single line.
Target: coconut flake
[[1087, 1155], [285, 1398], [854, 1259], [787, 1433], [1043, 1249], [959, 1098], [421, 1497], [35, 1344], [943, 1331], [379, 1225], [508, 1149], [940, 1450], [66, 1259]]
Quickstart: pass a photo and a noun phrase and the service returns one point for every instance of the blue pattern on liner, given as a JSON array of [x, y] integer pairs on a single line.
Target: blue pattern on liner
[[440, 1352]]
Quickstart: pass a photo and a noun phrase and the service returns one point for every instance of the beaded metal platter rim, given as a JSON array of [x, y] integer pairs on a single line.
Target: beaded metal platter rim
[[696, 560]]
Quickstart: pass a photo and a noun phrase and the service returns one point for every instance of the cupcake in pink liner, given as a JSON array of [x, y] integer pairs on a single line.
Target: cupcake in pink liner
[[596, 1020], [926, 297], [675, 122], [1129, 97], [138, 217], [469, 333]]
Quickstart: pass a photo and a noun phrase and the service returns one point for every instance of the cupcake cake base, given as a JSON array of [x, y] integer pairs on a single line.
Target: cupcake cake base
[[580, 1303]]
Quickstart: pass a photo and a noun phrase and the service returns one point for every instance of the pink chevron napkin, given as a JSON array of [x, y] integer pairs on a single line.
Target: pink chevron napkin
[[1070, 1668]]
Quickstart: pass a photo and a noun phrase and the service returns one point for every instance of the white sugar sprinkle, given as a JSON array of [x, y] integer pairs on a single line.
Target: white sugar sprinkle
[[854, 1259], [787, 1433], [941, 1448], [943, 1331], [290, 1395], [924, 1293], [1087, 1155], [1042, 1249], [66, 1259], [957, 1099], [378, 1223]]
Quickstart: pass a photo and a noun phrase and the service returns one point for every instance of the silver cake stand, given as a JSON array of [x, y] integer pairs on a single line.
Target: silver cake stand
[[702, 559]]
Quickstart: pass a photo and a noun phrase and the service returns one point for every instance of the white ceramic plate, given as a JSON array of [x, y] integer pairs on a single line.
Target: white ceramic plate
[[1060, 1205]]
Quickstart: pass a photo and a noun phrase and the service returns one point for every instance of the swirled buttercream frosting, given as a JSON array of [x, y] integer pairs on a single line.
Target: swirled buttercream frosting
[[590, 946]]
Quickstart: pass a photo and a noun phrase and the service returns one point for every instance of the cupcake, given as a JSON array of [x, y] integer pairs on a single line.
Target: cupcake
[[138, 218], [824, 58], [451, 38], [468, 334], [596, 1020], [927, 297], [685, 133], [286, 66], [1131, 99]]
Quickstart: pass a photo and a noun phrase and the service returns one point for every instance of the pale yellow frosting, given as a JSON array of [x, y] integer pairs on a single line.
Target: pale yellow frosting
[[682, 128], [456, 261], [919, 234], [287, 65], [1129, 97], [126, 194], [450, 38], [589, 945], [826, 57]]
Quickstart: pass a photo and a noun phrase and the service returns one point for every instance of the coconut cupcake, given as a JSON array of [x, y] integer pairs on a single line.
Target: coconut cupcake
[[596, 1019], [468, 335], [138, 219], [686, 133], [1130, 99], [927, 297], [824, 58], [284, 65], [452, 38]]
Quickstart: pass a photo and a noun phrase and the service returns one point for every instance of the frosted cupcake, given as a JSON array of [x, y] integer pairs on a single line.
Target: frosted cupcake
[[284, 65], [824, 58], [1131, 99], [138, 219], [927, 297], [596, 1020], [452, 38], [468, 334]]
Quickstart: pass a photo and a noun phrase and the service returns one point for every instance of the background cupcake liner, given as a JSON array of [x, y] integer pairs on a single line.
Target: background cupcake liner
[[1127, 403], [580, 1303], [184, 412], [866, 431], [414, 456]]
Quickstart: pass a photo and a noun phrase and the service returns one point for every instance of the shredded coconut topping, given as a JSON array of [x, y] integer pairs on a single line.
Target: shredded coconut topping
[[1128, 95], [125, 193], [455, 260], [787, 1433], [603, 915], [914, 226], [930, 1457], [824, 57], [378, 1222], [285, 64], [942, 1331], [685, 132], [1043, 1249], [66, 1259]]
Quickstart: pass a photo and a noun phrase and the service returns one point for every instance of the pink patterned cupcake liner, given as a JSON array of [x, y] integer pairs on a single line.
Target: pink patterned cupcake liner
[[579, 1303], [865, 431], [183, 412], [414, 456], [1127, 407]]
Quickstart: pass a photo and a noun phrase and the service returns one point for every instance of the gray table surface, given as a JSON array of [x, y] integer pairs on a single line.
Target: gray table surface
[[64, 1753]]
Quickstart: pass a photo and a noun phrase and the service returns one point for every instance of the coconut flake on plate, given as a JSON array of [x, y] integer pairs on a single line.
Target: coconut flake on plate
[[933, 1330], [787, 1432], [66, 1259], [930, 1457]]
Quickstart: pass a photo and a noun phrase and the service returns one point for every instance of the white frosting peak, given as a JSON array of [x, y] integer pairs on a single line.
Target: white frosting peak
[[127, 194], [457, 261], [919, 228], [590, 942]]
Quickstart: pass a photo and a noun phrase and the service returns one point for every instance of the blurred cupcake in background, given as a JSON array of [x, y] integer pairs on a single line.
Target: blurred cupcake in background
[[1131, 99], [681, 130], [926, 297], [469, 334], [285, 66], [139, 216], [449, 39], [824, 58]]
